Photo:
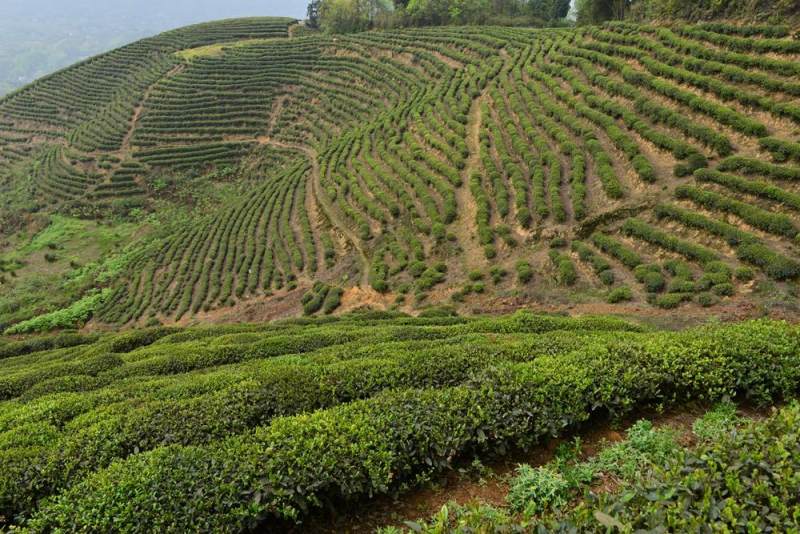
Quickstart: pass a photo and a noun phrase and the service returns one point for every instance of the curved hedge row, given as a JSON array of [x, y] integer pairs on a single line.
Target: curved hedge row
[[368, 447]]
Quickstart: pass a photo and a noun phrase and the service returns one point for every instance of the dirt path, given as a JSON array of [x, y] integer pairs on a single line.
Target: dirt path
[[275, 113], [137, 112], [317, 222], [330, 211], [466, 228]]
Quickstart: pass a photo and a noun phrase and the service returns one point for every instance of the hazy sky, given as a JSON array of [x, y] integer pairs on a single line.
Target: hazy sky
[[175, 10]]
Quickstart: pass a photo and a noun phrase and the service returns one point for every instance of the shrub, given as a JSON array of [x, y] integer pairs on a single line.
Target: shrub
[[620, 294], [758, 167], [744, 274], [774, 223], [430, 278], [565, 269], [537, 490], [607, 277], [475, 276], [332, 300], [759, 457], [709, 280], [600, 266], [781, 150], [679, 269], [498, 274], [651, 276], [644, 447], [313, 300], [774, 264], [718, 267], [680, 285], [707, 299], [672, 300], [640, 229], [723, 290], [76, 314], [524, 272], [715, 423], [613, 247]]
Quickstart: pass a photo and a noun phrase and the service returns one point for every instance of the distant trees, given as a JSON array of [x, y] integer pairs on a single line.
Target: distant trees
[[438, 12], [313, 14], [342, 16], [549, 10], [346, 16], [596, 11]]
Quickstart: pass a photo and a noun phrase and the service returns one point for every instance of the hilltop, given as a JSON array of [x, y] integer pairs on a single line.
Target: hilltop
[[250, 169]]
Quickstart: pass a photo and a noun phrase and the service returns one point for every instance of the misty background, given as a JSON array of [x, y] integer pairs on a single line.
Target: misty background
[[38, 37]]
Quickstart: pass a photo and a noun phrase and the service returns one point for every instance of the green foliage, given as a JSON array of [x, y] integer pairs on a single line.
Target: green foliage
[[332, 300], [651, 276], [498, 274], [610, 246], [717, 422], [600, 266], [643, 447], [748, 475], [735, 480], [642, 230], [620, 294], [524, 272], [346, 16], [770, 222], [383, 390], [707, 300], [744, 274], [566, 273], [537, 490], [774, 264], [76, 314], [321, 297], [672, 300]]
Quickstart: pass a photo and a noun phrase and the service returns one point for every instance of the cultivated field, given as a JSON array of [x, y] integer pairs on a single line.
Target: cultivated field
[[222, 429], [474, 165]]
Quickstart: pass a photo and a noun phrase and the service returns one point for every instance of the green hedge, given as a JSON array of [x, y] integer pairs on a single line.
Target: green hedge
[[613, 247], [774, 264], [640, 229], [755, 166], [781, 150], [369, 447]]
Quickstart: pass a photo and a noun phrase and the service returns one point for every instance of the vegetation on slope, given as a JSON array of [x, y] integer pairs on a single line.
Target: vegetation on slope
[[344, 16], [229, 427], [332, 159]]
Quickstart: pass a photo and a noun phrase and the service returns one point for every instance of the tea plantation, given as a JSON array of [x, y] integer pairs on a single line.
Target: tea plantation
[[653, 164], [229, 428]]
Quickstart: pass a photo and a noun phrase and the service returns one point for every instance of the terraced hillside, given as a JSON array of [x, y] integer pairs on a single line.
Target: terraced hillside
[[234, 427], [479, 166]]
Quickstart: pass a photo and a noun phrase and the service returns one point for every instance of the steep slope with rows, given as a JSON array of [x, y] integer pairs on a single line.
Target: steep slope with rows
[[483, 167]]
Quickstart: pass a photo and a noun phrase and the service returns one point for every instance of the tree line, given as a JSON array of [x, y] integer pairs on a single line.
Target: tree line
[[344, 16]]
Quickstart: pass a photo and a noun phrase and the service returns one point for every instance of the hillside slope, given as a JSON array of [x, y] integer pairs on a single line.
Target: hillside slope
[[487, 167]]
